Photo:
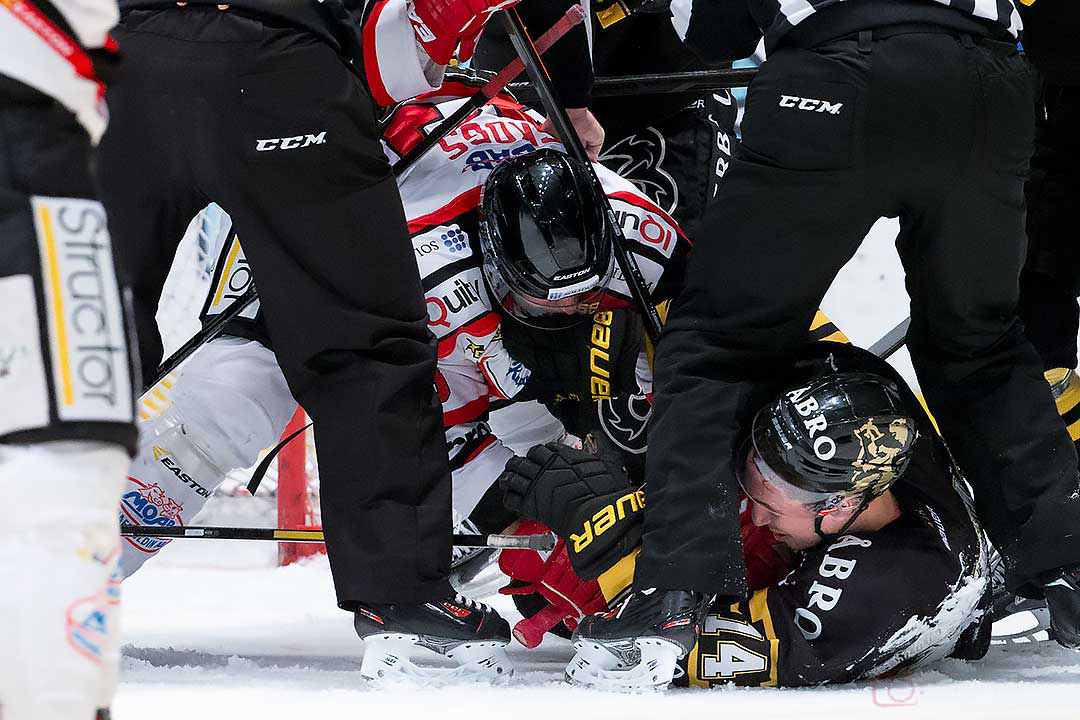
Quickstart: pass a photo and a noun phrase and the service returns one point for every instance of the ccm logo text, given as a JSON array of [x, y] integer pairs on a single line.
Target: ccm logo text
[[290, 143], [810, 104]]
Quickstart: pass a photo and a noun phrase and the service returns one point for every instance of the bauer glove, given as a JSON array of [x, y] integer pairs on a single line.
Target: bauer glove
[[589, 504]]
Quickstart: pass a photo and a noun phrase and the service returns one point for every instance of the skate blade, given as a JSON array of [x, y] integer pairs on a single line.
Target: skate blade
[[597, 665], [390, 657], [1023, 627]]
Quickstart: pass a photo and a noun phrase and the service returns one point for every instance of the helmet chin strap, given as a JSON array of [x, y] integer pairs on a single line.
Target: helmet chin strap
[[867, 498]]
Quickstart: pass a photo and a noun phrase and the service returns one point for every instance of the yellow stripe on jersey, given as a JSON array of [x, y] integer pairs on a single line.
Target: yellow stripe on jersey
[[1066, 398], [759, 611], [617, 579], [822, 328]]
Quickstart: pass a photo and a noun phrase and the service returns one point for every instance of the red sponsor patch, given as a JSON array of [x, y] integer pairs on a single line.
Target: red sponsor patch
[[677, 623]]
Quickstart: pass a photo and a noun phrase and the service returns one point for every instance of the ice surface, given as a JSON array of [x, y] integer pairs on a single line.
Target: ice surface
[[268, 643], [213, 630]]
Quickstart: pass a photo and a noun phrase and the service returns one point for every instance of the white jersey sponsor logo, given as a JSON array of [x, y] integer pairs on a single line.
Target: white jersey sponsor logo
[[86, 332]]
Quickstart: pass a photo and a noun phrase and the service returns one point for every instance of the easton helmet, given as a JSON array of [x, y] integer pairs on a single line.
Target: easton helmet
[[546, 241], [839, 436]]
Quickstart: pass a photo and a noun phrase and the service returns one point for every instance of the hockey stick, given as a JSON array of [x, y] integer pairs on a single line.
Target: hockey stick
[[519, 38], [543, 543], [573, 17], [660, 83], [891, 341]]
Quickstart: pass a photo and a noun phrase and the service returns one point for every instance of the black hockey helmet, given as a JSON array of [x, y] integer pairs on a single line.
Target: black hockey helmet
[[546, 240], [838, 436]]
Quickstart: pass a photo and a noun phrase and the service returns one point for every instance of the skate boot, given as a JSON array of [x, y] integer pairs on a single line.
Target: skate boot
[[470, 634], [1015, 619], [638, 644], [1063, 599], [1019, 620]]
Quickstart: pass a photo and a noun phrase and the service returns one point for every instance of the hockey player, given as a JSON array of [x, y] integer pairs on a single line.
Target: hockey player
[[229, 402], [888, 569], [267, 107], [862, 110], [66, 427]]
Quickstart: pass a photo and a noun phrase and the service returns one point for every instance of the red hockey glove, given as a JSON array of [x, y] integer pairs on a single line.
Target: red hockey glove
[[440, 25], [767, 561], [569, 598]]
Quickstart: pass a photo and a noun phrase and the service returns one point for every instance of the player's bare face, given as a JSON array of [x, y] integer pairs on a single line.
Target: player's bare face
[[791, 522]]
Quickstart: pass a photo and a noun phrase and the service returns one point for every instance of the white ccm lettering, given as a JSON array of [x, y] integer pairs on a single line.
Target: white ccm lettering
[[290, 143], [810, 104]]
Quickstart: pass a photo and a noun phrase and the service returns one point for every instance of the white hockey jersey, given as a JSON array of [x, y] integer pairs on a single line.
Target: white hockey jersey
[[441, 194]]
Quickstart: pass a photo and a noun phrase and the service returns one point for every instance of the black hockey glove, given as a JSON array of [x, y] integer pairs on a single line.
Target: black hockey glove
[[588, 503], [592, 359]]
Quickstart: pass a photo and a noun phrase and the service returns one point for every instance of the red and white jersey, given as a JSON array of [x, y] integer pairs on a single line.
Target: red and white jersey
[[43, 45], [441, 194]]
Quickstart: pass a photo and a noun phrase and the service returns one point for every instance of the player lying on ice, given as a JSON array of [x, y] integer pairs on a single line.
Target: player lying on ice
[[861, 546]]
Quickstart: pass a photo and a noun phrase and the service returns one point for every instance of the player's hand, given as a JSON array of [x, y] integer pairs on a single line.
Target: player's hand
[[441, 25], [568, 597], [588, 503], [552, 482], [588, 129]]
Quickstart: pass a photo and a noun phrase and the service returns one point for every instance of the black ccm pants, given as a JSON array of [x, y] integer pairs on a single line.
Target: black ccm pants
[[909, 122], [1050, 282], [268, 122]]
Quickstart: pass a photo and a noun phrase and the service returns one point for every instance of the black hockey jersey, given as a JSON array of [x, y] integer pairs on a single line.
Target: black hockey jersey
[[865, 604]]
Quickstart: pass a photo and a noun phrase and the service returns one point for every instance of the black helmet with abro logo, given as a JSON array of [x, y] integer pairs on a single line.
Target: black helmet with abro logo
[[546, 240], [837, 436]]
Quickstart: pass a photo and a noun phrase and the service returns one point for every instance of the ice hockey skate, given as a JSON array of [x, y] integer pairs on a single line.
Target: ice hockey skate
[[638, 645], [468, 633], [1063, 600], [1016, 619]]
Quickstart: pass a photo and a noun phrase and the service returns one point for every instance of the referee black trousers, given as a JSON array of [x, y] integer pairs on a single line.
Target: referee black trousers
[[270, 123], [915, 122]]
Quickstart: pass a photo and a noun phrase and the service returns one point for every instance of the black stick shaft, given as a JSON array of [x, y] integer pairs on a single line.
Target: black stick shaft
[[891, 341], [528, 542], [653, 84], [519, 37]]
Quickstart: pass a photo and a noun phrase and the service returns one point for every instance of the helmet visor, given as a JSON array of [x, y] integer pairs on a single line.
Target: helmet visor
[[770, 490]]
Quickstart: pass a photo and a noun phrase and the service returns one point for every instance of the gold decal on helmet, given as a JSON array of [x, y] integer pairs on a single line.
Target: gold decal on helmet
[[875, 468]]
